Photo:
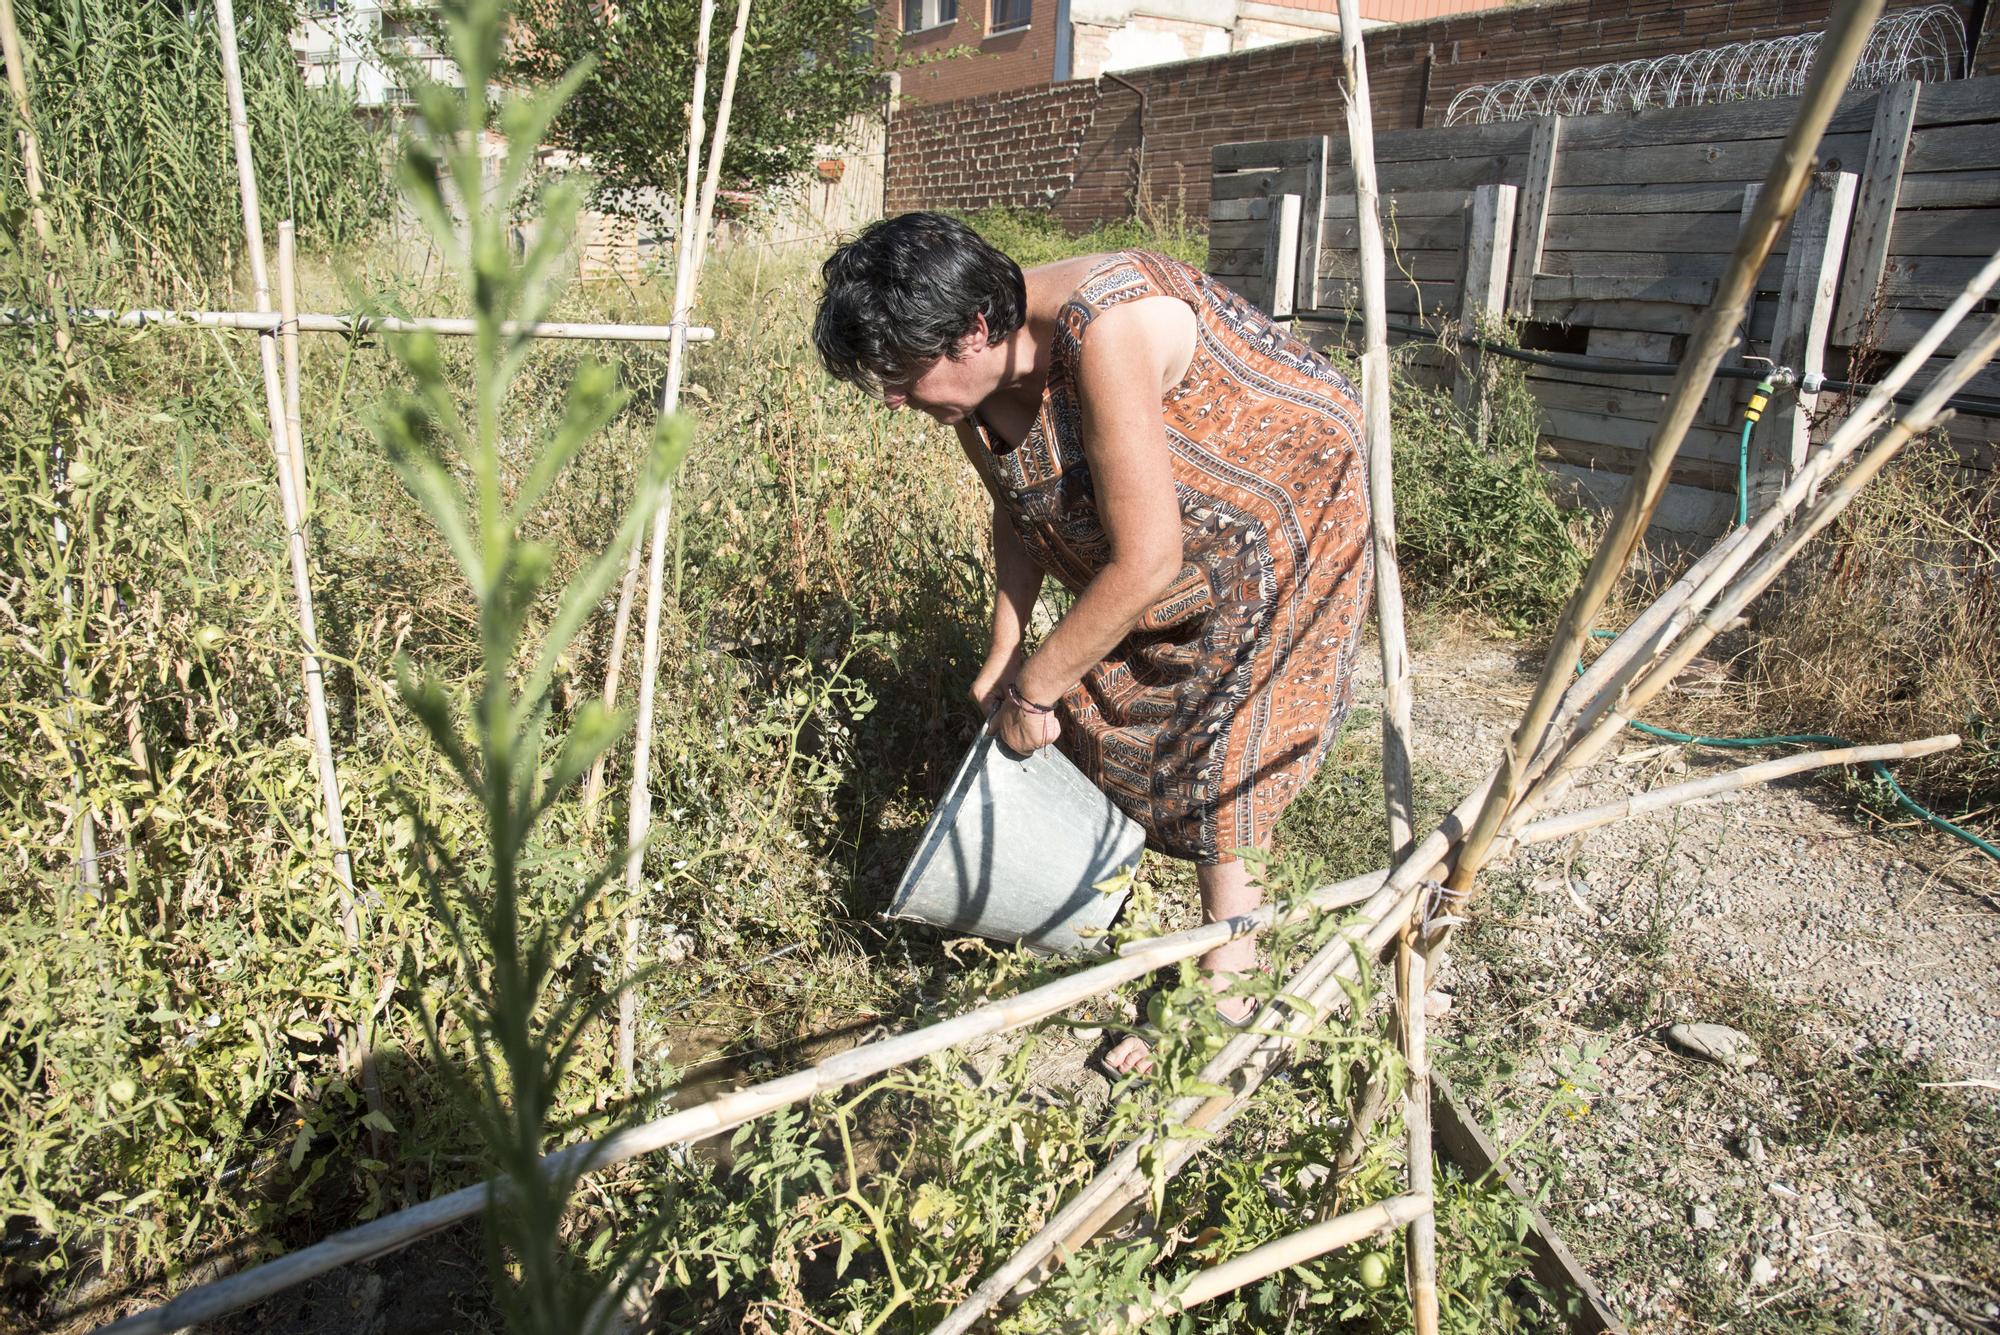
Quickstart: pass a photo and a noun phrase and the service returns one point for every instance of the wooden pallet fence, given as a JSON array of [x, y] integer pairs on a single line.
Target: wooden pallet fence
[[1616, 228]]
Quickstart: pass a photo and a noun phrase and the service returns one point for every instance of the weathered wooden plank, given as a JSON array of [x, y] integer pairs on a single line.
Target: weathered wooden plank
[[1680, 233], [1482, 289], [1533, 220], [1716, 160], [1263, 153], [1634, 345], [1281, 256], [1875, 209], [1687, 512], [1489, 236], [1400, 233], [1421, 265], [1436, 174], [1678, 197], [1418, 144], [1754, 119], [1258, 184], [1655, 316], [1898, 329], [1312, 228], [1805, 313], [1631, 433], [1654, 264], [1705, 474], [1244, 235], [1960, 100], [1651, 289], [1928, 281], [1434, 302], [1954, 148], [1236, 210], [1984, 383], [1403, 203], [1944, 232], [1948, 190]]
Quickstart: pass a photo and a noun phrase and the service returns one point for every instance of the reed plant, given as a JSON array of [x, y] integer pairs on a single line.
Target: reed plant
[[128, 101]]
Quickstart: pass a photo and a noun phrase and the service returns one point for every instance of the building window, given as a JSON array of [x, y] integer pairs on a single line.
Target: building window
[[921, 14], [1007, 15]]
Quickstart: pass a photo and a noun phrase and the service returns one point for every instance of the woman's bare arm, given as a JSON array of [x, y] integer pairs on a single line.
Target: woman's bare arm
[[1017, 584]]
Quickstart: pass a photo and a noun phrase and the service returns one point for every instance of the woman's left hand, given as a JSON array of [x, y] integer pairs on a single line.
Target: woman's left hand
[[1023, 732]]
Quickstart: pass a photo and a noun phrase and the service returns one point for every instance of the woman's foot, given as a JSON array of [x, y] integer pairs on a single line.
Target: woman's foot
[[1226, 891], [1133, 1053]]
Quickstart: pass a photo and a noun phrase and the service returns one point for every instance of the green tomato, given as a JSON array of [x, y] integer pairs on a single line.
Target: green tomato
[[79, 473], [209, 638], [1373, 1271]]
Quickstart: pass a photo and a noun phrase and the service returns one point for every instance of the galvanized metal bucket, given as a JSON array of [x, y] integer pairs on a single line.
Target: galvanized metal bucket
[[1015, 852]]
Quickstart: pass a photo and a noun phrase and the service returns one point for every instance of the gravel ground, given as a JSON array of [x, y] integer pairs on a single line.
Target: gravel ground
[[1845, 1179]]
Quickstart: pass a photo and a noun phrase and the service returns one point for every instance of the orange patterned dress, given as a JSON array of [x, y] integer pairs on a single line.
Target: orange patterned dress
[[1210, 716]]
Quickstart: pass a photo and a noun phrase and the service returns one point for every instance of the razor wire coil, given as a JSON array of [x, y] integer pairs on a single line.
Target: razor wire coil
[[1926, 43]]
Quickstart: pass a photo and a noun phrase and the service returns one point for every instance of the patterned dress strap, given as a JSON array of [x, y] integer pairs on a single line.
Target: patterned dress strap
[[1119, 277]]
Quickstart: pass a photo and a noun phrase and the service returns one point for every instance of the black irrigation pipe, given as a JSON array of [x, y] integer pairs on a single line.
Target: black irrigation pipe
[[1972, 405]]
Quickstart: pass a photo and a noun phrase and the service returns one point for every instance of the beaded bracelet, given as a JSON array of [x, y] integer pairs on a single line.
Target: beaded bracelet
[[1024, 704]]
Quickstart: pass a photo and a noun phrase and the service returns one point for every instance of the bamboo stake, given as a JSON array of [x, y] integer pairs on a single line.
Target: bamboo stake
[[295, 545], [288, 315], [1420, 1251], [1397, 783], [1291, 1250], [621, 621], [359, 326], [721, 141], [1680, 794], [1376, 433], [89, 878], [640, 812], [715, 1117], [1847, 33]]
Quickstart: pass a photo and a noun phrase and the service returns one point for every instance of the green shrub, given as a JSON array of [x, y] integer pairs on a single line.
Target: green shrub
[[1033, 236], [1477, 526]]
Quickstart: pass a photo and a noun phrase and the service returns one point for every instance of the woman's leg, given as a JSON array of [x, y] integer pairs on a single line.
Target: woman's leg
[[1227, 889]]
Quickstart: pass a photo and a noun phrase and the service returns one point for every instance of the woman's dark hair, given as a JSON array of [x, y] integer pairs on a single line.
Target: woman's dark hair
[[904, 293]]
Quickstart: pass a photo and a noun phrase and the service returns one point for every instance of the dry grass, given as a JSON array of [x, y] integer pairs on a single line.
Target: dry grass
[[1888, 627]]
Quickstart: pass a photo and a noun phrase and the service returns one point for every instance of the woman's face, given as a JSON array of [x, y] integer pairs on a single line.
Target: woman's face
[[948, 388]]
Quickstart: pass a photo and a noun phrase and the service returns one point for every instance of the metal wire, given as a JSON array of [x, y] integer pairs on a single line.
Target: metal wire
[[1925, 43]]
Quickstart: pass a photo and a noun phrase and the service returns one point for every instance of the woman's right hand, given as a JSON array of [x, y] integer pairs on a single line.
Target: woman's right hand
[[990, 686]]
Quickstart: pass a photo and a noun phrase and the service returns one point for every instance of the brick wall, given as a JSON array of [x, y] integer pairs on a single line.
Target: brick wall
[[962, 59], [972, 153]]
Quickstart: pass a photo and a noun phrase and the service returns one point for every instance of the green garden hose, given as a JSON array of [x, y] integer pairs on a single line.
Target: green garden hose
[[1751, 412], [1903, 799]]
